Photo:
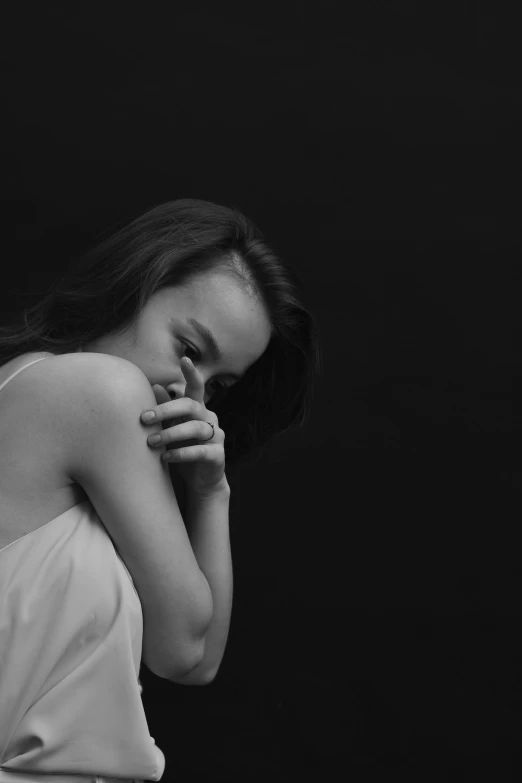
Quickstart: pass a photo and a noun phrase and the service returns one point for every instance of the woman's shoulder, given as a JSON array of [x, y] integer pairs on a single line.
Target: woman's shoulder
[[63, 382], [69, 399], [96, 368]]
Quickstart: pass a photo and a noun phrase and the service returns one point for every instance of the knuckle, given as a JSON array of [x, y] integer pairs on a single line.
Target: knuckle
[[185, 406]]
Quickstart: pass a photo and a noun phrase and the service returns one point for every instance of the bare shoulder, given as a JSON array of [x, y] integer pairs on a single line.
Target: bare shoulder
[[70, 380], [78, 393], [55, 416], [99, 370]]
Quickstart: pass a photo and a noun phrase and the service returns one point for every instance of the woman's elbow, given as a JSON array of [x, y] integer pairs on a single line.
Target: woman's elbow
[[182, 663], [199, 675]]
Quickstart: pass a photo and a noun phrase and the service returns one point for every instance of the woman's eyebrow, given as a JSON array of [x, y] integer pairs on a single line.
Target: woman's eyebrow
[[208, 338], [211, 343]]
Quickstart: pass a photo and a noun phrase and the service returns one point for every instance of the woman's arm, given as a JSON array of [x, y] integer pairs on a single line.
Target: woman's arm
[[198, 477], [207, 524]]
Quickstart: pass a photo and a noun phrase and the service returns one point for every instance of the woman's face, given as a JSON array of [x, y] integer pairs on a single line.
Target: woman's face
[[167, 330]]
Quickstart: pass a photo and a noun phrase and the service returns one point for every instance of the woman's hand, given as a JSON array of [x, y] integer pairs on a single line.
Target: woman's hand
[[199, 459]]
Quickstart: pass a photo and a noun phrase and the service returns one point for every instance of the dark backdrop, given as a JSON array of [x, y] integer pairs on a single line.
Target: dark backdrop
[[376, 626]]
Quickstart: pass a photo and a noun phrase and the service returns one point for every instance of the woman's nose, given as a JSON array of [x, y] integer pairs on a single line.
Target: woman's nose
[[176, 391]]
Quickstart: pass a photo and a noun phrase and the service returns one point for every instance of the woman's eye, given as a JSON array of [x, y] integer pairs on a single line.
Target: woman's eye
[[219, 386], [194, 351]]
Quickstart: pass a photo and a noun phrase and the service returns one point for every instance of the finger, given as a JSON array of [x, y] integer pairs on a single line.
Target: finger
[[171, 409], [152, 415], [195, 387], [199, 453], [191, 430], [160, 393], [162, 396]]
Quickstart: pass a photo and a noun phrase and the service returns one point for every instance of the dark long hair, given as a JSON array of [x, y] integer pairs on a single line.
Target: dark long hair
[[105, 290]]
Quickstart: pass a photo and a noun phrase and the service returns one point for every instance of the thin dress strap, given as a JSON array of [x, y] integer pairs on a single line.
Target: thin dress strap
[[20, 370]]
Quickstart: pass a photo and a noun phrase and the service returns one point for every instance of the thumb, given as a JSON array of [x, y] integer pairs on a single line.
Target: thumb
[[160, 393]]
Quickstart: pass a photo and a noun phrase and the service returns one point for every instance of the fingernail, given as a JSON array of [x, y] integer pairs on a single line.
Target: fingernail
[[148, 416]]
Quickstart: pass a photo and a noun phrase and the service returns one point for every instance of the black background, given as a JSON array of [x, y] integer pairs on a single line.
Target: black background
[[376, 627]]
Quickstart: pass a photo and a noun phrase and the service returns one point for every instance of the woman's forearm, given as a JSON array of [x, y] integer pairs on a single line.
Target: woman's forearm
[[207, 523]]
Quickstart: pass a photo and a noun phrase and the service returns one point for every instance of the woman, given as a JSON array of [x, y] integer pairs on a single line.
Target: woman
[[187, 313]]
